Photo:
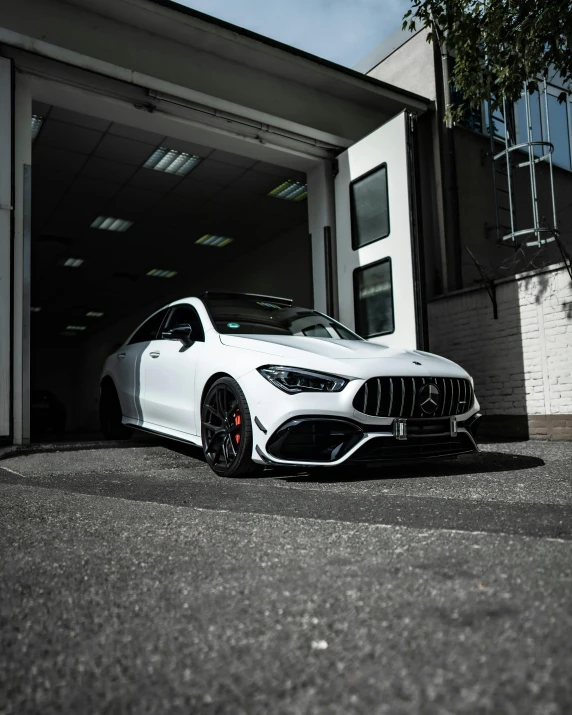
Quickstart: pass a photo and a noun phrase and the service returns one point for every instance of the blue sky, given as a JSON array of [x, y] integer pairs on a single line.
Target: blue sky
[[339, 30]]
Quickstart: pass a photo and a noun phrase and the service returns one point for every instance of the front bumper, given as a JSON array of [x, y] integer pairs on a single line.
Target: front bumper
[[312, 430], [323, 441]]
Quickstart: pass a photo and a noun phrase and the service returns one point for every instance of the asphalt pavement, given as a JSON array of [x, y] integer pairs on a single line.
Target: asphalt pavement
[[134, 580]]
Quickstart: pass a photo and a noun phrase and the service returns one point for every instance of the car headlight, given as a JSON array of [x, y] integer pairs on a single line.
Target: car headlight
[[295, 379]]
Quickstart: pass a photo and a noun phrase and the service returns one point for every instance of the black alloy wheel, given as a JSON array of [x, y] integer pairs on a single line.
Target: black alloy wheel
[[226, 429], [110, 414]]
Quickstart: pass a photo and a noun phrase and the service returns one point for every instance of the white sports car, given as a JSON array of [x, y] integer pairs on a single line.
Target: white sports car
[[254, 379]]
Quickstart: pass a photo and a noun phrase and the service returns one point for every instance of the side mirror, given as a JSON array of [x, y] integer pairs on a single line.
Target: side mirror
[[181, 332]]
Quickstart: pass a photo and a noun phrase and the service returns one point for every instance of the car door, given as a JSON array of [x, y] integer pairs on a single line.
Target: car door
[[169, 373], [128, 371], [377, 246]]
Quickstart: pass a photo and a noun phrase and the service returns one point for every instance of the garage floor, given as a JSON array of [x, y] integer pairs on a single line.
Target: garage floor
[[135, 580]]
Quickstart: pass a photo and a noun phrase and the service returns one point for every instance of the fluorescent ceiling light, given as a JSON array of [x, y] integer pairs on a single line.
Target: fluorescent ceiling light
[[108, 223], [171, 161], [290, 190], [94, 314], [157, 273], [73, 262], [37, 122], [35, 309], [209, 239], [75, 327]]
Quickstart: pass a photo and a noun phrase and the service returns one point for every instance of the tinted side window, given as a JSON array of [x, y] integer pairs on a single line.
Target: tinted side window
[[369, 207], [148, 331], [186, 315]]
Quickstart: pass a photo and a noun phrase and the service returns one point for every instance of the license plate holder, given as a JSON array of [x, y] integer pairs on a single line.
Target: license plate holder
[[400, 429]]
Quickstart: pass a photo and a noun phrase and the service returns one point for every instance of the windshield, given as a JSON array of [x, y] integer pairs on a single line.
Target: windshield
[[254, 315]]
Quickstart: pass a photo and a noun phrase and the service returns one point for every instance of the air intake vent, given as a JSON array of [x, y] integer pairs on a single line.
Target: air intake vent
[[414, 397]]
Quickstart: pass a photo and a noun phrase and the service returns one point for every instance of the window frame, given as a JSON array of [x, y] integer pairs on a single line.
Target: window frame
[[356, 273], [353, 216], [130, 340]]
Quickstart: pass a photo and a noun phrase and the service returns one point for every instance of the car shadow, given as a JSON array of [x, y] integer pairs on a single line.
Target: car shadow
[[481, 463]]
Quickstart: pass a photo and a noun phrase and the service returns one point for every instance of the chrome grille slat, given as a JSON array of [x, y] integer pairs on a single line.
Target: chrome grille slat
[[414, 396], [378, 395], [365, 399], [390, 396], [402, 397]]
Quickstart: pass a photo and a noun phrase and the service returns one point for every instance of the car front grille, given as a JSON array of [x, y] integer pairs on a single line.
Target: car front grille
[[413, 397]]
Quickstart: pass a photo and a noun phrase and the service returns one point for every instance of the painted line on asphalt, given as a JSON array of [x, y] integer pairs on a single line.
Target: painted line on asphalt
[[7, 469]]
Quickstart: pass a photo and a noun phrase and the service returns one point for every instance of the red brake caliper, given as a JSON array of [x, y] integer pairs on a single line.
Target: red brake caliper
[[237, 424]]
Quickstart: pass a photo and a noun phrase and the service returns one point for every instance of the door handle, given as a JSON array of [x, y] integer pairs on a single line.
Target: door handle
[[154, 355], [120, 356]]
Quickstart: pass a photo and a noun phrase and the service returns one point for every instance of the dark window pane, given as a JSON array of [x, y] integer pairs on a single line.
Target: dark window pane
[[186, 315], [498, 121], [559, 136], [370, 208], [374, 299], [148, 331], [535, 122]]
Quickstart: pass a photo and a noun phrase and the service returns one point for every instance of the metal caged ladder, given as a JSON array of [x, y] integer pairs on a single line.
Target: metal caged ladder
[[505, 163]]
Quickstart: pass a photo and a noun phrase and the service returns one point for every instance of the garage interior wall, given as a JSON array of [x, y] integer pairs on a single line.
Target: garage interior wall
[[86, 166]]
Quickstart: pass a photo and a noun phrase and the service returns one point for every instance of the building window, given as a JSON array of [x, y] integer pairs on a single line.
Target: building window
[[370, 207], [373, 298], [559, 121]]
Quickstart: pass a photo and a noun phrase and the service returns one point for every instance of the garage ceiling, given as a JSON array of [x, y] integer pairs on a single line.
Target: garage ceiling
[[84, 167]]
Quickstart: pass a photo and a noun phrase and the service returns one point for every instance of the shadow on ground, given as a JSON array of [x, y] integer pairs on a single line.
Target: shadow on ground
[[482, 463]]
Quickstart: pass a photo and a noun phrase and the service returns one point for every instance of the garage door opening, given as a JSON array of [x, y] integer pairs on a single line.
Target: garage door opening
[[125, 220]]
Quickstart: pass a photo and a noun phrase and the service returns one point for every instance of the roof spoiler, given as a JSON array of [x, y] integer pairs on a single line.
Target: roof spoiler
[[256, 296]]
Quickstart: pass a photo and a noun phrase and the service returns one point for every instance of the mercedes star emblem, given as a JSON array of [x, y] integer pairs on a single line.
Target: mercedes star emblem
[[429, 398]]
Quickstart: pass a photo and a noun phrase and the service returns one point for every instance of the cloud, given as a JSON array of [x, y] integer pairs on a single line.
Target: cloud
[[342, 31]]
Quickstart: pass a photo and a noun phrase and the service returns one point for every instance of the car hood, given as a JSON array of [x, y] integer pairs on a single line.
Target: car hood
[[360, 358]]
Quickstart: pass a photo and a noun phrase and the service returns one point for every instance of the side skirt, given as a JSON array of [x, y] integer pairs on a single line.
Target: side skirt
[[169, 434]]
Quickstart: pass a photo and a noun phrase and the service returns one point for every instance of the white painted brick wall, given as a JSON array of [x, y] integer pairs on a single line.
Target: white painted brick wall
[[522, 362]]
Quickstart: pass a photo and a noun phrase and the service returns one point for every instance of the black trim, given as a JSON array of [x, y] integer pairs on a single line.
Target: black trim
[[388, 449], [262, 456], [260, 426], [353, 209], [330, 264], [314, 439], [356, 297]]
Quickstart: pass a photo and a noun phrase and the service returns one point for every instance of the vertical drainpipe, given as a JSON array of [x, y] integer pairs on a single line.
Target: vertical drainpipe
[[451, 189]]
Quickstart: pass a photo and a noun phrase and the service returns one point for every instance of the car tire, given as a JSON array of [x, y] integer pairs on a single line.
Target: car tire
[[110, 414], [226, 429]]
